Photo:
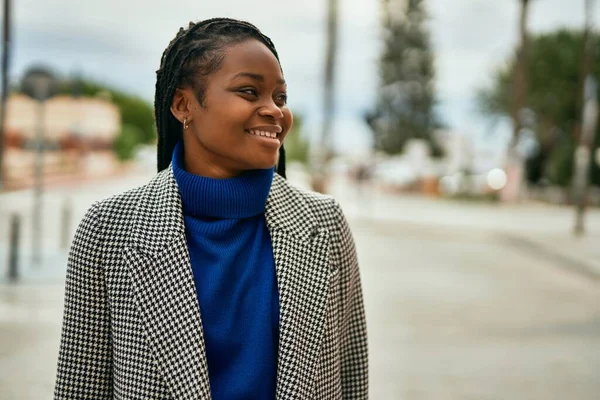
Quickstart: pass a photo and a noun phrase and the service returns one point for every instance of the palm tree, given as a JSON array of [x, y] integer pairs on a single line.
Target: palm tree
[[515, 162], [324, 151], [520, 78], [587, 125]]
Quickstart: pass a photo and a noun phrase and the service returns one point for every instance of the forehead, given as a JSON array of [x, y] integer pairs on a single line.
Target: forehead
[[250, 56]]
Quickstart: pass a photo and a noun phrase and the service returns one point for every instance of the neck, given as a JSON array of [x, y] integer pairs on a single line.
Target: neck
[[198, 160], [239, 197]]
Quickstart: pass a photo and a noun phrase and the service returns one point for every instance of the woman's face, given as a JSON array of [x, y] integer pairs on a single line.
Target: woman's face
[[244, 117]]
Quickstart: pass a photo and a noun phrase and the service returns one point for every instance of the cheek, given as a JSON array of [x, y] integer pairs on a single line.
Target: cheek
[[288, 120], [223, 126]]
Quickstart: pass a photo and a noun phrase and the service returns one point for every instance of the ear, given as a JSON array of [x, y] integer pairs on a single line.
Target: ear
[[181, 106]]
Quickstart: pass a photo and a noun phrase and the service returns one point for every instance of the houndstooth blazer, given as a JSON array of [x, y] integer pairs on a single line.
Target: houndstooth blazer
[[132, 327]]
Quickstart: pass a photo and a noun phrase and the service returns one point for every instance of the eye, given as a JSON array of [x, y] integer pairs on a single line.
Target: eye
[[282, 98], [249, 91]]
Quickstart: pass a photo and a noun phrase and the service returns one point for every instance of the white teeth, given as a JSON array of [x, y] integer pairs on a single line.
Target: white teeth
[[271, 135]]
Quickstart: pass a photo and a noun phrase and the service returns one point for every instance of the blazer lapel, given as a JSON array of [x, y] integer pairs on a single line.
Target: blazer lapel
[[159, 264], [301, 251]]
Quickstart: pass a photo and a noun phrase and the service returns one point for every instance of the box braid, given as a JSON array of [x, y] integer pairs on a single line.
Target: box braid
[[194, 54]]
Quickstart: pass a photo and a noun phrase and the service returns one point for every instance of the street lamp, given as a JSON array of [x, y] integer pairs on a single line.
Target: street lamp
[[40, 84], [583, 151], [6, 46], [589, 121]]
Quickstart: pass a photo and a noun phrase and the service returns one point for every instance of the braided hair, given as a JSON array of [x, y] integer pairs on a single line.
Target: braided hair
[[194, 54]]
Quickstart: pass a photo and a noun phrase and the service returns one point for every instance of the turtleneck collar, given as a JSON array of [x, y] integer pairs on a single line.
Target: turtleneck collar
[[243, 196]]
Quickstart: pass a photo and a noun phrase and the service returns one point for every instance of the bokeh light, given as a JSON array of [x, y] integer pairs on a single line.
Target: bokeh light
[[496, 179]]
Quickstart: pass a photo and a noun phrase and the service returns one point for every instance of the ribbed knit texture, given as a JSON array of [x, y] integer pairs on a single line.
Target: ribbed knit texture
[[234, 271]]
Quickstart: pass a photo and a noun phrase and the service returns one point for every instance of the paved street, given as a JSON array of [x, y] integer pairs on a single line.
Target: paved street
[[455, 315], [455, 310]]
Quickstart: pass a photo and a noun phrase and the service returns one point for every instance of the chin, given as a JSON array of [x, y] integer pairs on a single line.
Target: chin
[[263, 164]]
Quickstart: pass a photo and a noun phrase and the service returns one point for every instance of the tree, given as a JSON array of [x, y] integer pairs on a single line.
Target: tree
[[515, 162], [520, 72], [127, 141], [554, 94], [405, 107], [323, 151]]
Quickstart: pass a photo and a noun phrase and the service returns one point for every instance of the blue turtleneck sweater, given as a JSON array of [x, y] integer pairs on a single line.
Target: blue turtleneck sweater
[[234, 271]]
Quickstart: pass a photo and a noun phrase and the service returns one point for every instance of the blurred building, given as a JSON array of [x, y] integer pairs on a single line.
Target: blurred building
[[94, 120], [412, 170], [78, 137], [459, 152]]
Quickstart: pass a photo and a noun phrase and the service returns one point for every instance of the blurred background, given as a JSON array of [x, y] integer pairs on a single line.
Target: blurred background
[[460, 137]]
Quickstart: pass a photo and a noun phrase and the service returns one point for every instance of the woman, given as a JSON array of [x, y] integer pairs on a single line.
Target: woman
[[217, 279]]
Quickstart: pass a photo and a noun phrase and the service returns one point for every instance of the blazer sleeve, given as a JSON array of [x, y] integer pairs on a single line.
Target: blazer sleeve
[[353, 340], [85, 355]]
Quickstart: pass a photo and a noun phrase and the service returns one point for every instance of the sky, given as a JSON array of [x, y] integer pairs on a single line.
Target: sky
[[120, 42]]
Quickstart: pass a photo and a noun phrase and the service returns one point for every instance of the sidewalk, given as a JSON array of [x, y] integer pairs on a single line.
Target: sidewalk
[[77, 197], [580, 254], [544, 229], [30, 324]]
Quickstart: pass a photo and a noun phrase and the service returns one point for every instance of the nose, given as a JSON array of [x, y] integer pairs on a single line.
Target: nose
[[270, 109]]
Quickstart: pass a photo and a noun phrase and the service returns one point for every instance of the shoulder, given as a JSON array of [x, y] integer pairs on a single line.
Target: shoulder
[[103, 222], [114, 213], [323, 207], [122, 203]]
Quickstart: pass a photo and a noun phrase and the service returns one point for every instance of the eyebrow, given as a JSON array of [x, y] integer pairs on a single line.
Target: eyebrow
[[256, 77]]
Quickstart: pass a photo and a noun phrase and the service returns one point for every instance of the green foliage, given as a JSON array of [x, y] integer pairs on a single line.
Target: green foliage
[[594, 167], [559, 168], [296, 146], [137, 112], [127, 141], [405, 107], [554, 94]]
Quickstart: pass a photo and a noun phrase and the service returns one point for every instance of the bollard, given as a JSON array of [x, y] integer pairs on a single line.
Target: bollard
[[13, 248], [65, 224]]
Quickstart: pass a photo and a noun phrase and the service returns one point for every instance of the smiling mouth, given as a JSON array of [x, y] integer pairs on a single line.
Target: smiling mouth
[[271, 135]]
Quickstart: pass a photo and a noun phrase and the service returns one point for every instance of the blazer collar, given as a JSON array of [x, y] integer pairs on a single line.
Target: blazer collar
[[288, 211], [159, 218]]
